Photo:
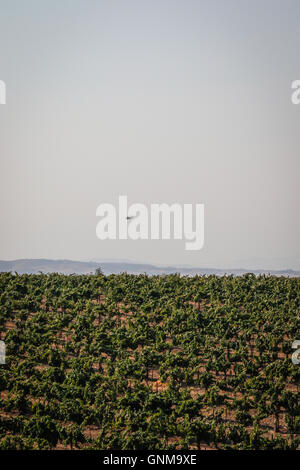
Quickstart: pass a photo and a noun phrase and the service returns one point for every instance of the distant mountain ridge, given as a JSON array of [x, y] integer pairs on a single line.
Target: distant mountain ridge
[[34, 266]]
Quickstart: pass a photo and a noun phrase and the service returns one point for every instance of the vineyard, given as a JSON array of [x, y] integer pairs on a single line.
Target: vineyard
[[149, 362]]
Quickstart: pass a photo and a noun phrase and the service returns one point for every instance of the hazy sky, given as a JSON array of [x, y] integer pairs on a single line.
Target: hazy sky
[[163, 101]]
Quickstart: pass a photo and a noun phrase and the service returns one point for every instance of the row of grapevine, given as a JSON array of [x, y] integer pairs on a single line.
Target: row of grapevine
[[149, 362]]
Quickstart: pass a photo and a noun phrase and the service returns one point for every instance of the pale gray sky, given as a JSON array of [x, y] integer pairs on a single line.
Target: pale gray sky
[[163, 100]]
